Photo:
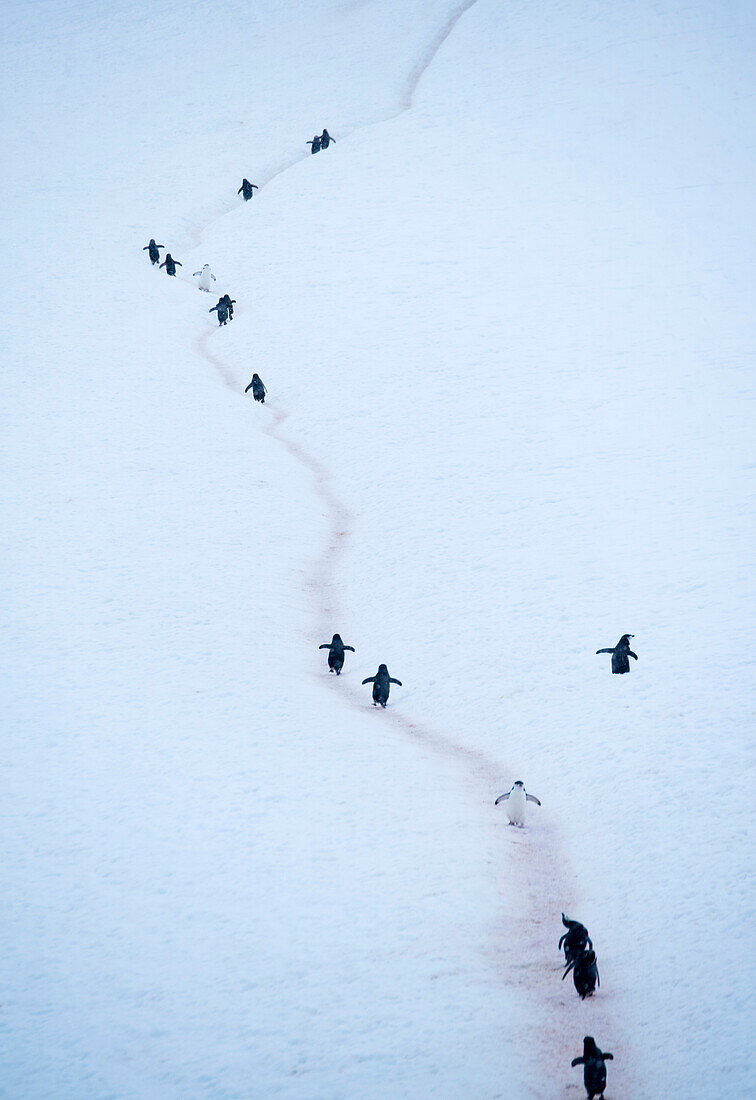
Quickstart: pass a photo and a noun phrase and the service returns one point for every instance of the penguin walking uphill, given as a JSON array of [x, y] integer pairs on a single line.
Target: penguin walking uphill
[[575, 940], [594, 1069], [585, 973], [315, 143], [381, 688], [170, 264], [620, 654], [247, 189], [336, 653], [152, 249], [326, 139], [206, 278], [516, 800], [258, 389]]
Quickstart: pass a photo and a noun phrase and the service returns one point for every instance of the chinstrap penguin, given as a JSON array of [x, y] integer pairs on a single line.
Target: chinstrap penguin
[[258, 389], [152, 249], [620, 654], [170, 264], [325, 139], [222, 310], [575, 940], [247, 189], [315, 143], [594, 1069], [381, 682], [516, 800], [206, 278], [336, 653], [229, 303], [585, 973]]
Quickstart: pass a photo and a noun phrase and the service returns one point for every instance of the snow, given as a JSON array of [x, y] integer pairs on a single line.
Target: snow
[[503, 323]]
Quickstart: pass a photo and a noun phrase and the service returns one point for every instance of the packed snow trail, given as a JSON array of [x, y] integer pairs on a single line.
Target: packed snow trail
[[535, 869]]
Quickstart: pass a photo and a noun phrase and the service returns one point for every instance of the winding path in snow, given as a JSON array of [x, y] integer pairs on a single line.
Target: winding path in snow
[[525, 956]]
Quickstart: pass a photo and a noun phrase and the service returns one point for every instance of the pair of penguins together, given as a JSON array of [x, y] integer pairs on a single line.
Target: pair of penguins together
[[580, 958], [381, 681]]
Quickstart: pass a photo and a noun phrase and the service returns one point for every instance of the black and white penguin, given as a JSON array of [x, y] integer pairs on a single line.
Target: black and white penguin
[[594, 1069], [206, 278], [247, 189], [229, 303], [325, 139], [336, 653], [258, 389], [152, 249], [315, 143], [584, 973], [575, 940], [620, 654], [170, 264], [381, 688], [516, 800], [222, 310]]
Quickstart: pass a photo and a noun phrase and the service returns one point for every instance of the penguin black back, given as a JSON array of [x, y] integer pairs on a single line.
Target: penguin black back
[[621, 654], [594, 1069], [585, 973], [336, 653], [381, 688], [575, 940]]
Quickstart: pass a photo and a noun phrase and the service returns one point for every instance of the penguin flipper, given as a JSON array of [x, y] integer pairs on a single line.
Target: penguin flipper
[[325, 645], [370, 680], [604, 651], [578, 1061], [393, 681], [568, 968], [532, 798], [607, 1056], [350, 648], [633, 654], [503, 798]]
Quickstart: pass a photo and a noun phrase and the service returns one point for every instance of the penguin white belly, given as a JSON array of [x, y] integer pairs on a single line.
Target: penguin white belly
[[516, 807], [205, 280]]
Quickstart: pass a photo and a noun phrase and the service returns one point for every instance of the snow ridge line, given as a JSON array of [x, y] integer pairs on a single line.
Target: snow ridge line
[[523, 953]]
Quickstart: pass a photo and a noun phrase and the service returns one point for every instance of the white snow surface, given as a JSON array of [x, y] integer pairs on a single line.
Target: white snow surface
[[504, 326]]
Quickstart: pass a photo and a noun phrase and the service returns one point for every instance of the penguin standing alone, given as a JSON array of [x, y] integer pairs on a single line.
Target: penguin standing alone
[[585, 973], [620, 654], [516, 800], [381, 688], [575, 940], [152, 249], [170, 264], [594, 1071], [206, 278], [336, 653], [258, 389], [248, 189]]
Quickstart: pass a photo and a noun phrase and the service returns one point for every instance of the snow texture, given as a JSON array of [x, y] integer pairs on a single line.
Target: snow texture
[[504, 326]]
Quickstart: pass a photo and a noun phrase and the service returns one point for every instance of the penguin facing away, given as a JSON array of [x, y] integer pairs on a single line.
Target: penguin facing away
[[516, 800], [247, 189], [152, 250], [206, 278], [381, 688], [170, 264], [620, 654], [325, 139], [336, 653], [315, 143], [258, 389], [594, 1069], [575, 940], [585, 973]]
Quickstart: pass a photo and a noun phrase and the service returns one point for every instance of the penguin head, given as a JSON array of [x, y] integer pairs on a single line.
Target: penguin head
[[383, 668], [336, 638], [519, 783], [589, 1046], [625, 639], [255, 376]]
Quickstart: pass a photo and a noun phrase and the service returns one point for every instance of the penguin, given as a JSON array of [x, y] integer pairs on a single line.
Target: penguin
[[325, 139], [229, 303], [152, 248], [247, 189], [381, 688], [206, 278], [258, 390], [515, 800], [594, 1071], [170, 264], [222, 309], [584, 973], [576, 939], [315, 143], [336, 653], [620, 654]]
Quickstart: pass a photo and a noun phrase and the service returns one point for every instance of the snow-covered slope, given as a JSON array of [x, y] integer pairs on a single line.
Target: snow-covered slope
[[502, 325]]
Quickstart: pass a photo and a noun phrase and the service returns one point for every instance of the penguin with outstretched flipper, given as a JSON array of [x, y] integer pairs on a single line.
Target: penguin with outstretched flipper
[[620, 654], [575, 940], [206, 278], [585, 973], [516, 800], [152, 250], [258, 389], [381, 688], [247, 189], [336, 653], [170, 264], [594, 1068]]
